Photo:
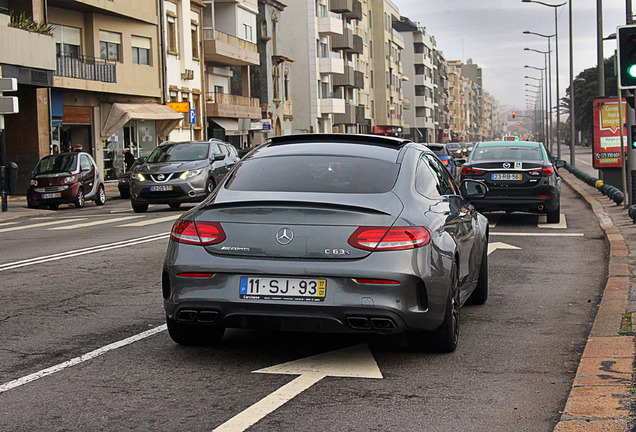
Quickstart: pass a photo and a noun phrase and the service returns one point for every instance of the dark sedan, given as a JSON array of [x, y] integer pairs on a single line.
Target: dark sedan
[[178, 172], [520, 177], [304, 235], [444, 155]]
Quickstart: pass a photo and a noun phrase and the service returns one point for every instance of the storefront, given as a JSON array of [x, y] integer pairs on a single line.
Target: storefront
[[130, 131]]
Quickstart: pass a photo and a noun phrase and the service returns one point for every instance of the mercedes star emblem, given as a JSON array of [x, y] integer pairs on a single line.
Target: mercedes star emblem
[[284, 236]]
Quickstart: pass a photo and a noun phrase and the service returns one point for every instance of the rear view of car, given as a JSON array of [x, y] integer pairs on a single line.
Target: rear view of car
[[443, 153], [519, 176]]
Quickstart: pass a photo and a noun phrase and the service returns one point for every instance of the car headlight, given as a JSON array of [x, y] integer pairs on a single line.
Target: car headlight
[[189, 174], [140, 177], [34, 182], [69, 179]]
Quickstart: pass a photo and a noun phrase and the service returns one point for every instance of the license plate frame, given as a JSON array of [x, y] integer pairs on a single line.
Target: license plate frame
[[51, 195], [161, 188], [282, 288], [506, 176]]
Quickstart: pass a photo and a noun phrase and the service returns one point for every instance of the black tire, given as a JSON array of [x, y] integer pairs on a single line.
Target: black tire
[[554, 216], [444, 339], [139, 207], [100, 198], [80, 200], [480, 295], [209, 186], [175, 205], [54, 206], [194, 335]]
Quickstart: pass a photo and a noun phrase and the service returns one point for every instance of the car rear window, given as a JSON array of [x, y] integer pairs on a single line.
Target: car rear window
[[315, 173], [180, 152], [526, 153], [438, 150]]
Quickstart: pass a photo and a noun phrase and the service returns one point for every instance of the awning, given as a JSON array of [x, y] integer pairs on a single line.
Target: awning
[[230, 125], [120, 114]]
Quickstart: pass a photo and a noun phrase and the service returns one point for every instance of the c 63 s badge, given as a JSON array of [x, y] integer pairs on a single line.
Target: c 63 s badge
[[337, 252]]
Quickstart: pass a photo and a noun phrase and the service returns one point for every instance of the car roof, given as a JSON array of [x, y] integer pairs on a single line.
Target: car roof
[[510, 143], [341, 138]]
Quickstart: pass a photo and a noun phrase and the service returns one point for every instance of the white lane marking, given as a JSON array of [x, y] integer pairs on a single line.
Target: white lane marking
[[100, 222], [352, 362], [543, 223], [122, 211], [498, 245], [37, 225], [85, 251], [585, 162], [518, 234], [8, 223], [150, 221], [81, 359]]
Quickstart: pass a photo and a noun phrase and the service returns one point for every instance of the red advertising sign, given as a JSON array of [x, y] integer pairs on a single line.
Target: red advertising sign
[[607, 148]]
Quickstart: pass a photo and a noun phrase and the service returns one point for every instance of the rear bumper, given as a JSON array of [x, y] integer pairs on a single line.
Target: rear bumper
[[529, 204]]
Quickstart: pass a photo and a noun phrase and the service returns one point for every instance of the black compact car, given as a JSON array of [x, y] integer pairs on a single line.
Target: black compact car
[[178, 172], [304, 235], [520, 177]]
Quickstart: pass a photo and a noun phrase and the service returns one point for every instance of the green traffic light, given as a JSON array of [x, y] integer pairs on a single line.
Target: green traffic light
[[632, 71]]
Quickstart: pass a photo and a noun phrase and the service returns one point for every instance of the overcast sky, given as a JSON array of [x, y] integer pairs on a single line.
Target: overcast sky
[[490, 32]]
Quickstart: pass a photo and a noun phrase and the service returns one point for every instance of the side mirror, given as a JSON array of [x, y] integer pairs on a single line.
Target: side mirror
[[474, 189], [218, 157], [559, 163]]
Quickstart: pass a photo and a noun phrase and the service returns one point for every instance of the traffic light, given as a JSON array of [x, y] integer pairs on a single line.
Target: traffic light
[[627, 56], [514, 114], [633, 137]]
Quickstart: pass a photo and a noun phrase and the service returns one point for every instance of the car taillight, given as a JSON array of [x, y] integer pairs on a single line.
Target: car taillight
[[376, 281], [197, 233], [545, 172], [389, 238], [444, 161], [472, 171]]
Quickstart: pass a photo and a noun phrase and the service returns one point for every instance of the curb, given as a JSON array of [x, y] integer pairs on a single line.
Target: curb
[[600, 398]]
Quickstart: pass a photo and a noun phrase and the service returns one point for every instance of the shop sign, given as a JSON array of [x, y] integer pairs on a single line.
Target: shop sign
[[181, 107]]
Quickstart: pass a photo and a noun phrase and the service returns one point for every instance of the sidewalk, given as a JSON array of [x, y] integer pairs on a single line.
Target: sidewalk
[[601, 398], [17, 206]]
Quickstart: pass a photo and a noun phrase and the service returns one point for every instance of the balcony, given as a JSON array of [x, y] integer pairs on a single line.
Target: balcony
[[360, 114], [350, 78], [24, 48], [234, 106], [224, 49], [86, 68], [332, 103], [349, 116], [350, 9], [333, 64], [330, 25]]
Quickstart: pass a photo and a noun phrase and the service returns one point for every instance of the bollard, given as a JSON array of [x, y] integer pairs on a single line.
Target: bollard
[[12, 178]]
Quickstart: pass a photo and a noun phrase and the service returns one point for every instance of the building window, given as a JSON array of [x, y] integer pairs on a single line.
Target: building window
[[247, 32], [194, 30], [140, 50], [195, 107], [109, 45], [67, 41], [323, 50], [172, 35], [185, 97]]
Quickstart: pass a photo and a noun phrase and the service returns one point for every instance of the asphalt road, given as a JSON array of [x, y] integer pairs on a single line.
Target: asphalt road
[[512, 371]]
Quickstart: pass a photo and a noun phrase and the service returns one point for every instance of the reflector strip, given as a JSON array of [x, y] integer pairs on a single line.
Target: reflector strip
[[376, 282], [195, 275]]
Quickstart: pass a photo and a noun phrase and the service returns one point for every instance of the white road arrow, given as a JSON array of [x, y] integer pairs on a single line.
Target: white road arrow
[[353, 362], [498, 245]]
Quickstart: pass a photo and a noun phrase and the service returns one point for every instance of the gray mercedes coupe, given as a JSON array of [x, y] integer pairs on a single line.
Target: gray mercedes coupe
[[330, 233]]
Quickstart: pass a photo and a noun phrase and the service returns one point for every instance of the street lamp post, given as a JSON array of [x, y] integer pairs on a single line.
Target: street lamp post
[[556, 33], [535, 114], [548, 97]]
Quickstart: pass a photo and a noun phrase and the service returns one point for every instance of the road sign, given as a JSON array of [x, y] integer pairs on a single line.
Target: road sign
[[352, 362], [267, 125], [193, 116], [8, 84], [182, 107], [9, 105]]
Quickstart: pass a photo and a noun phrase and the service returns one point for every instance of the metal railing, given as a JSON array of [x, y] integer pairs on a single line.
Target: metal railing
[[86, 68], [233, 41], [228, 99]]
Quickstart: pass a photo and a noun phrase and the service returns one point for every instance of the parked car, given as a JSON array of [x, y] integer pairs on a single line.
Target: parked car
[[444, 155], [178, 172], [303, 235], [520, 176], [65, 178]]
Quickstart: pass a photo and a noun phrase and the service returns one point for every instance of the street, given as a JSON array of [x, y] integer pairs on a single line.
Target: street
[[83, 279]]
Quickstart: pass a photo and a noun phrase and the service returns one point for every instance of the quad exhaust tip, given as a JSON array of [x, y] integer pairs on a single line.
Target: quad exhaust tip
[[203, 317], [375, 323]]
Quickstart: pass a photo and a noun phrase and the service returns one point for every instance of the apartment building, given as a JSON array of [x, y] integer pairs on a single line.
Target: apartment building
[[182, 50], [457, 107], [230, 50], [389, 76], [271, 80], [30, 58], [417, 59], [441, 94]]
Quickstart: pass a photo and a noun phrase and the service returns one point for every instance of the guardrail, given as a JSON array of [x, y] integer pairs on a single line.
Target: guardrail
[[609, 191]]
